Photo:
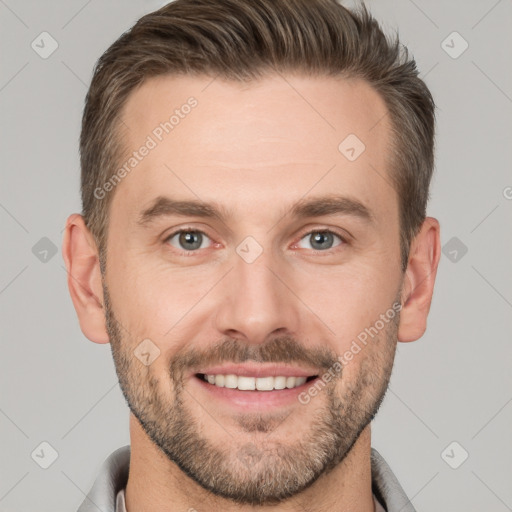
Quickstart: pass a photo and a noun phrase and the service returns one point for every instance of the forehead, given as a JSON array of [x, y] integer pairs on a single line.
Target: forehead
[[258, 141]]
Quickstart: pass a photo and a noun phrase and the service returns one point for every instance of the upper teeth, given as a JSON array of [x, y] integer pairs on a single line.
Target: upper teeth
[[250, 383]]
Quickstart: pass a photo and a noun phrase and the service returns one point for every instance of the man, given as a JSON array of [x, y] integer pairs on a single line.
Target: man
[[253, 244]]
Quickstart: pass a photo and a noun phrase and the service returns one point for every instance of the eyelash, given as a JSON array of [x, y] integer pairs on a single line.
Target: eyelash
[[194, 230]]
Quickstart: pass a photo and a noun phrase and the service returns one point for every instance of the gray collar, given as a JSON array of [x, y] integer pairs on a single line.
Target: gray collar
[[386, 487]]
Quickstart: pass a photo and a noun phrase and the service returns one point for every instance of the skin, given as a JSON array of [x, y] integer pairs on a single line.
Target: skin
[[255, 149]]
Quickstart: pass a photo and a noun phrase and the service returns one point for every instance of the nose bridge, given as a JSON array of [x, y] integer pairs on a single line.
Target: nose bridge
[[255, 302], [258, 280]]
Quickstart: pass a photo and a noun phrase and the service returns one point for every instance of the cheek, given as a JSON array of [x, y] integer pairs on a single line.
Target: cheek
[[156, 301], [350, 300]]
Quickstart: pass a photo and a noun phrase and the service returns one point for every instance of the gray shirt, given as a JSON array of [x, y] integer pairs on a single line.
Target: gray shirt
[[107, 493]]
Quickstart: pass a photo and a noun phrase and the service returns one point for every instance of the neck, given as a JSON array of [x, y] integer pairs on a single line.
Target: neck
[[156, 483]]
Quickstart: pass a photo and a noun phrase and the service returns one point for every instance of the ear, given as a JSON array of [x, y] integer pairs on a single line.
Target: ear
[[80, 254], [419, 281]]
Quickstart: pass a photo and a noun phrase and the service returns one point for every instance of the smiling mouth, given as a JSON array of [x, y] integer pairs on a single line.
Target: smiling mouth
[[244, 383]]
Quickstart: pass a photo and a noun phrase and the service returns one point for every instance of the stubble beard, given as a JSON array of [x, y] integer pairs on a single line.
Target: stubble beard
[[255, 466]]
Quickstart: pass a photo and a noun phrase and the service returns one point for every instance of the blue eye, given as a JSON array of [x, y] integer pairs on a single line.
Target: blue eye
[[322, 239], [189, 240]]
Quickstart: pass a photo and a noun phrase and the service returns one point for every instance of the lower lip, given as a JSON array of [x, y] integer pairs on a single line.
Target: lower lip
[[254, 399]]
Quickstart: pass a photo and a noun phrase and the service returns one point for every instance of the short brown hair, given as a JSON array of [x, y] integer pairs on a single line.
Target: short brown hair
[[243, 40]]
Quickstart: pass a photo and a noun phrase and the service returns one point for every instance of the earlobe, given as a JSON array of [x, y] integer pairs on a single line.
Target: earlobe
[[419, 281], [80, 255]]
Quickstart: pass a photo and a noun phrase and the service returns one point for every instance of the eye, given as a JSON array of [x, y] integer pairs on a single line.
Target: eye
[[188, 239], [322, 239]]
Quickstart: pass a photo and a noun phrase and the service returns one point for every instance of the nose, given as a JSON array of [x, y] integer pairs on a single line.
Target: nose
[[257, 300]]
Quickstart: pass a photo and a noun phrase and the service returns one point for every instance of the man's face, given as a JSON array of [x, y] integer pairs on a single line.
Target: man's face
[[263, 289]]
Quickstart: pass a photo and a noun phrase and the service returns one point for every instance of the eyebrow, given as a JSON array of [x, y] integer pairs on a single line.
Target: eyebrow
[[304, 208]]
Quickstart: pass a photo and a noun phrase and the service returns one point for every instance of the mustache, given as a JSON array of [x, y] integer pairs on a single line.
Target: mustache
[[283, 349]]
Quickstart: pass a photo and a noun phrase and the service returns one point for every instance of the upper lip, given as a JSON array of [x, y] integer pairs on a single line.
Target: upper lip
[[259, 370]]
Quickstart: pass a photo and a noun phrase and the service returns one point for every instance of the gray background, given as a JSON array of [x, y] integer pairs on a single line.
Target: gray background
[[454, 384]]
